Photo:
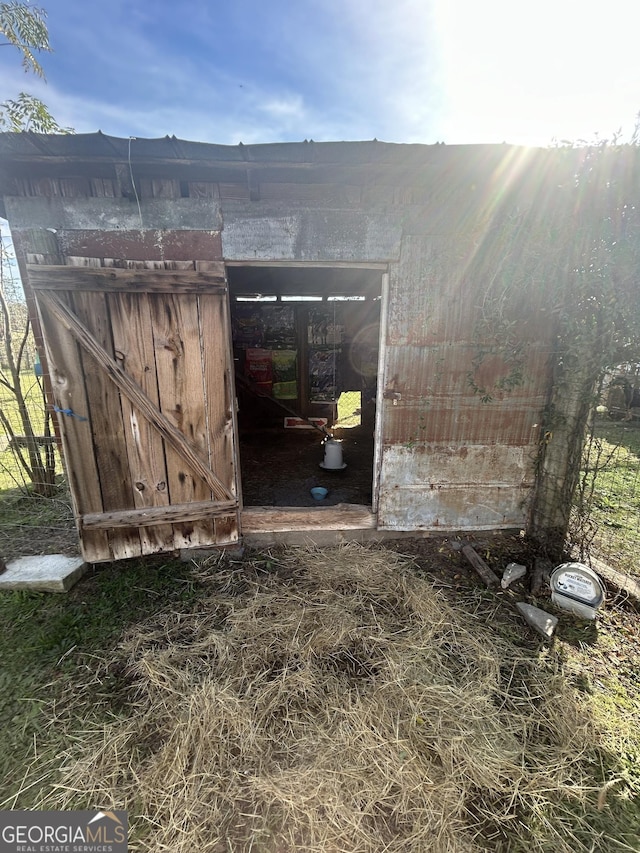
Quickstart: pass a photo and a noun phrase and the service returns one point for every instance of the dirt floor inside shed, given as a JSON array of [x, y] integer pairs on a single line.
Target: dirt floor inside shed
[[280, 467]]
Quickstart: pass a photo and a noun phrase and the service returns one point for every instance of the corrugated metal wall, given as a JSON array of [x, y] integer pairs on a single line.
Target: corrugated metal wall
[[459, 435]]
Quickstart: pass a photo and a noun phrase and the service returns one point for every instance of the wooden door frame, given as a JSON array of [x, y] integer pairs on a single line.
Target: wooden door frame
[[258, 520], [378, 430]]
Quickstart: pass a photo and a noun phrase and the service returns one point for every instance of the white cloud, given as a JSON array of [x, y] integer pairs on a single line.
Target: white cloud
[[291, 107], [411, 71]]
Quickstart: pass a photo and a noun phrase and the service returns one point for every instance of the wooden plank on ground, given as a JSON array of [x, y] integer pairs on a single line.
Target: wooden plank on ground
[[488, 576], [625, 584], [266, 519]]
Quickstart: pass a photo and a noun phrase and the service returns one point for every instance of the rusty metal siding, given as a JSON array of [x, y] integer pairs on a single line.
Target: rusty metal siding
[[452, 458], [159, 245], [437, 402]]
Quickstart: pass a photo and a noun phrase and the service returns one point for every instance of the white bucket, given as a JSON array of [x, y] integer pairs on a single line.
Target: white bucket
[[333, 453]]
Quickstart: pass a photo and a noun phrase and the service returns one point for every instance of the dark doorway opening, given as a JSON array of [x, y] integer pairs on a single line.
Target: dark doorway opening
[[305, 346]]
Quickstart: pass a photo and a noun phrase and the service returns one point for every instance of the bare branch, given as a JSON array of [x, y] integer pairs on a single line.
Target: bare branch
[[23, 343]]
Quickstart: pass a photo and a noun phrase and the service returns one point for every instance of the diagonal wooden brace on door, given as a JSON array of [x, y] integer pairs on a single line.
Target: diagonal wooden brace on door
[[134, 393]]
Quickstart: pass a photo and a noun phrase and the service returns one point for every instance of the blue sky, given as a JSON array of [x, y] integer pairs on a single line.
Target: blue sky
[[458, 71]]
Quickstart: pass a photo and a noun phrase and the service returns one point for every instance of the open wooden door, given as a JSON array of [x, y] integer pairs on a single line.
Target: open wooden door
[[141, 371]]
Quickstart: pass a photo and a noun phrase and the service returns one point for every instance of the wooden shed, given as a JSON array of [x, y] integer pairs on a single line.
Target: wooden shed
[[199, 302]]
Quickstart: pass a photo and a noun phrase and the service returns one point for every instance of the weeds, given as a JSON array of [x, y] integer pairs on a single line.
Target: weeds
[[607, 504]]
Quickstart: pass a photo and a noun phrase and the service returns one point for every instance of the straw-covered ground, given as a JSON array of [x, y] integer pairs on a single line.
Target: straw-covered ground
[[336, 700]]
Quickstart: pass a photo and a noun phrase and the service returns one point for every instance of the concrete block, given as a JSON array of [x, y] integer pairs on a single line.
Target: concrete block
[[45, 572]]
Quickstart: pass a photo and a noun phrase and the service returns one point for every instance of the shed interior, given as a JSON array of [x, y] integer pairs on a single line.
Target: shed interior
[[305, 348]]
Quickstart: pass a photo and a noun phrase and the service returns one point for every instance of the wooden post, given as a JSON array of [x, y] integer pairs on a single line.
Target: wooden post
[[560, 454]]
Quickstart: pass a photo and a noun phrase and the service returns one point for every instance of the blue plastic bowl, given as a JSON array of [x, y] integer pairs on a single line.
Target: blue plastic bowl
[[319, 493]]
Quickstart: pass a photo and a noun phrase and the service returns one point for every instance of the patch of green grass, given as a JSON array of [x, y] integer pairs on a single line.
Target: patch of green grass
[[598, 660], [611, 698], [11, 473], [614, 510], [48, 641], [31, 525], [623, 433], [349, 412]]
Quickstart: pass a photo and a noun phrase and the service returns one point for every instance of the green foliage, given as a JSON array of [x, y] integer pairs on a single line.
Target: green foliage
[[24, 28], [421, 437], [569, 256], [600, 317], [607, 501], [21, 413], [497, 339], [26, 112], [558, 261]]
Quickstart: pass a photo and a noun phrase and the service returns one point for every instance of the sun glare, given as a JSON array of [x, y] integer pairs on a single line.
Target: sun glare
[[529, 73]]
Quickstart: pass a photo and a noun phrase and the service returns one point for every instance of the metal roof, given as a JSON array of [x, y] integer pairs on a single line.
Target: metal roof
[[449, 169], [89, 146]]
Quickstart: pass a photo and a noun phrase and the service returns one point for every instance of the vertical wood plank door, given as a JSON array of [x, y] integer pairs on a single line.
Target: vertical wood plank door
[[141, 371]]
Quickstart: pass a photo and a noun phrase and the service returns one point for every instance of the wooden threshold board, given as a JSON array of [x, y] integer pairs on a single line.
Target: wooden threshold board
[[269, 519]]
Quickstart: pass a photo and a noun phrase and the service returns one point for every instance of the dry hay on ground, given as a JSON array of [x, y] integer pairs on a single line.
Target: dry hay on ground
[[331, 701]]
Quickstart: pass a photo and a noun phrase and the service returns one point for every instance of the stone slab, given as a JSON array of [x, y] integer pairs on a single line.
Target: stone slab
[[544, 623], [45, 572]]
